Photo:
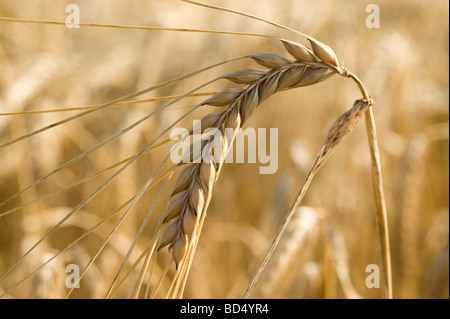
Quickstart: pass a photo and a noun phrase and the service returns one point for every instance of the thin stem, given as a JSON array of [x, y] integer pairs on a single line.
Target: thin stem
[[134, 27], [382, 221], [89, 107], [378, 189], [280, 233], [247, 16]]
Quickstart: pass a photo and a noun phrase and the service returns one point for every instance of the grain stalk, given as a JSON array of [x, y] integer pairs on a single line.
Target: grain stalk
[[196, 181], [185, 213], [312, 65]]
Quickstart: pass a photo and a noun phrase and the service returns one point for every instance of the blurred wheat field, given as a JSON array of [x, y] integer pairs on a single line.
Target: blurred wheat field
[[333, 236]]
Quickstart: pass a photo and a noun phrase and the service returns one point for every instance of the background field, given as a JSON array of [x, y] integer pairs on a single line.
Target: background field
[[404, 64]]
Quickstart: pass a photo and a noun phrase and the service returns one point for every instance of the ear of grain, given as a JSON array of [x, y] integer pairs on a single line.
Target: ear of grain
[[189, 199], [196, 181]]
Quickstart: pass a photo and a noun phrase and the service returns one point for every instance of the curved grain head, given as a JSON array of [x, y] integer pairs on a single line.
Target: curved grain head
[[131, 174]]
